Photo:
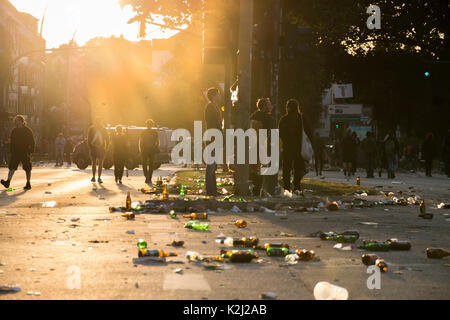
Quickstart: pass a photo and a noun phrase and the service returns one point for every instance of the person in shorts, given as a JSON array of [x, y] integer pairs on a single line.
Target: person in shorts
[[98, 141], [22, 146]]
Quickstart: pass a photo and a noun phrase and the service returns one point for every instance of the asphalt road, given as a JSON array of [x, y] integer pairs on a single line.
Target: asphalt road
[[42, 250]]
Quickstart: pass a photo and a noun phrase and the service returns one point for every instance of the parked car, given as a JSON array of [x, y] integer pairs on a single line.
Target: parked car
[[82, 159]]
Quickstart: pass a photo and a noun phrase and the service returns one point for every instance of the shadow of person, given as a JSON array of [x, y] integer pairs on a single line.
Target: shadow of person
[[10, 198]]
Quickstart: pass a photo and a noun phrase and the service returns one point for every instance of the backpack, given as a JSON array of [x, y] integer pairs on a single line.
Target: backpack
[[390, 146]]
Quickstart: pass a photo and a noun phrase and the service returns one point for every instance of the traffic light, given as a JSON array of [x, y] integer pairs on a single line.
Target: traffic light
[[215, 36], [337, 126]]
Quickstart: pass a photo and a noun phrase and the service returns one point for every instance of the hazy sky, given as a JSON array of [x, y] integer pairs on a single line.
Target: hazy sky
[[90, 18]]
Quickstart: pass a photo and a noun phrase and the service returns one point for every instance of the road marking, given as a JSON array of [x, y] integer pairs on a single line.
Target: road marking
[[176, 281]]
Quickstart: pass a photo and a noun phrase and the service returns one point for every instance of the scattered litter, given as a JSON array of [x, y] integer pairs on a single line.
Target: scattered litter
[[32, 269], [30, 293], [369, 223], [240, 223], [177, 243], [9, 289], [48, 204], [443, 205], [37, 293], [178, 270], [284, 234], [268, 295], [266, 210], [48, 192], [291, 258], [340, 247], [327, 291], [235, 209], [130, 232], [75, 219]]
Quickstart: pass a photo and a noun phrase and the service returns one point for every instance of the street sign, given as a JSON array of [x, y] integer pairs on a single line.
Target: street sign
[[345, 109], [342, 91]]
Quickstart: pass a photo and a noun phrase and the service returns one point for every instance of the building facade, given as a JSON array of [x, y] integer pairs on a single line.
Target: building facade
[[23, 51]]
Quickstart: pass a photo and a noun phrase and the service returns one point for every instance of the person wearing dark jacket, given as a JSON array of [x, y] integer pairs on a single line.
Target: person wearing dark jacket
[[149, 148], [98, 141], [263, 119], [120, 153], [428, 153], [291, 129], [391, 149], [369, 146], [21, 147], [213, 119], [319, 148]]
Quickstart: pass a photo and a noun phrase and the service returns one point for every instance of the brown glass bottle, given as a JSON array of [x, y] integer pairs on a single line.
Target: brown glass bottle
[[128, 201], [437, 253]]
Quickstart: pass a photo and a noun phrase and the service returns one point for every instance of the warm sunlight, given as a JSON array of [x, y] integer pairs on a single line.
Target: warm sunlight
[[89, 19]]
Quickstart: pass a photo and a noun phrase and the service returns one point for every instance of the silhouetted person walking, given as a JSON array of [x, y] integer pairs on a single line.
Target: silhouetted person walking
[[428, 153], [98, 141], [22, 145], [120, 153], [149, 148]]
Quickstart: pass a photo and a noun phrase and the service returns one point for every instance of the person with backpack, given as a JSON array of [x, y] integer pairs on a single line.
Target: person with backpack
[[391, 149], [149, 148], [319, 149], [60, 143]]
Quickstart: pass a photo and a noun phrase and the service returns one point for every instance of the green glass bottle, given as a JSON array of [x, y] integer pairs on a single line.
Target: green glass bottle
[[196, 225], [277, 252], [374, 246], [182, 191], [173, 214], [142, 244]]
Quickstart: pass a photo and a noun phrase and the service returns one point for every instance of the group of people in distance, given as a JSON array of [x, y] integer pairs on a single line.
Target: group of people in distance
[[290, 126], [99, 140], [22, 146]]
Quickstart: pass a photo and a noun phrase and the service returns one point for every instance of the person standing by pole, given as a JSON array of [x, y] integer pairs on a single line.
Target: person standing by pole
[[263, 119], [148, 147], [291, 128], [21, 146], [213, 119], [98, 141]]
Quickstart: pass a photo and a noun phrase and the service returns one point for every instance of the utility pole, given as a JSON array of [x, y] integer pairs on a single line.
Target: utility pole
[[245, 88], [276, 57]]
